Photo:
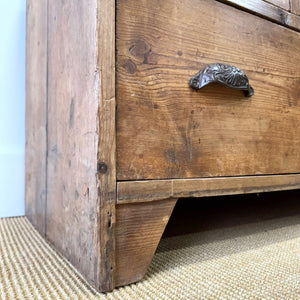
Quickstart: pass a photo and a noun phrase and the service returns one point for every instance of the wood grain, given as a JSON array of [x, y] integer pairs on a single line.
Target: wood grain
[[139, 228], [78, 217], [153, 190], [293, 20], [36, 113], [144, 191], [167, 130], [106, 153], [285, 4], [295, 7], [268, 11], [73, 219]]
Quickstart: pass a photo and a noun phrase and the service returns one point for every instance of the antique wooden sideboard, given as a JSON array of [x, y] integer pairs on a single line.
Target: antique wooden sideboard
[[116, 130]]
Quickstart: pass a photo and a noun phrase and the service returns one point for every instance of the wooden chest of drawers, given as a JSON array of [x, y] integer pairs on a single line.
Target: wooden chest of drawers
[[115, 134]]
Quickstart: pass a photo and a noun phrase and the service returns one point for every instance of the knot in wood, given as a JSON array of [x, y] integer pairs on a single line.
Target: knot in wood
[[102, 167]]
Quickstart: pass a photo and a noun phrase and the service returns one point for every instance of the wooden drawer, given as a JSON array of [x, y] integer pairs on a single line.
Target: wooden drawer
[[167, 130]]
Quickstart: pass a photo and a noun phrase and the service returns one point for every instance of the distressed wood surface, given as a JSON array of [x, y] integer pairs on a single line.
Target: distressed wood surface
[[106, 146], [153, 190], [167, 130], [139, 228], [75, 99], [268, 11], [80, 209], [295, 7], [36, 113], [78, 218], [285, 4]]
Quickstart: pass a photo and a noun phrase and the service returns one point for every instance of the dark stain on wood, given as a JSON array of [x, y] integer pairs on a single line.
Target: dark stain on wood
[[102, 167], [72, 110], [170, 156], [186, 138], [282, 15], [172, 164]]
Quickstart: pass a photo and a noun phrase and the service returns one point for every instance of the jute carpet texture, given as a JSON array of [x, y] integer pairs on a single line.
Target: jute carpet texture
[[259, 260]]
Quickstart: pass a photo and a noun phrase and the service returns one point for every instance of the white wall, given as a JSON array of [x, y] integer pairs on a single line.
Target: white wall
[[12, 106]]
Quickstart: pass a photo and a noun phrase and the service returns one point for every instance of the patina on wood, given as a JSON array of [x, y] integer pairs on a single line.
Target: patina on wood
[[106, 152], [167, 130], [73, 97], [70, 94], [295, 7], [36, 113], [153, 190], [285, 4], [278, 13], [138, 231]]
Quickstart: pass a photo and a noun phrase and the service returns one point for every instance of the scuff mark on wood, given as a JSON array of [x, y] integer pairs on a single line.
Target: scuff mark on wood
[[72, 110]]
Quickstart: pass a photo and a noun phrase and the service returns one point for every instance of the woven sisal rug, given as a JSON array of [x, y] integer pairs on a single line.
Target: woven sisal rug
[[253, 261]]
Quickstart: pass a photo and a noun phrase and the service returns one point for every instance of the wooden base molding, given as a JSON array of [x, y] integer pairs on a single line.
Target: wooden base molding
[[152, 190]]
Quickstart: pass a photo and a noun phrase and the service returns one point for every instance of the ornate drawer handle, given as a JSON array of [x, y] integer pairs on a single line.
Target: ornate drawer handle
[[230, 76]]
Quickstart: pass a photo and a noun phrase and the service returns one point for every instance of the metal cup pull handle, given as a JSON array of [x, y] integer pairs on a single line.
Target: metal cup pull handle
[[230, 76]]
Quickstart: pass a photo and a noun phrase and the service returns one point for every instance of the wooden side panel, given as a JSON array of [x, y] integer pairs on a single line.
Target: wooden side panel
[[73, 92], [139, 228], [36, 112], [167, 130], [153, 190]]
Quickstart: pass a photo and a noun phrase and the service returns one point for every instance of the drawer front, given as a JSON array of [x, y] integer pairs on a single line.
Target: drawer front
[[167, 130]]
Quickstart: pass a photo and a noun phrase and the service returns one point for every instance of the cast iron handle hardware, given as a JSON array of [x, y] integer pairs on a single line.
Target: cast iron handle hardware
[[232, 77]]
